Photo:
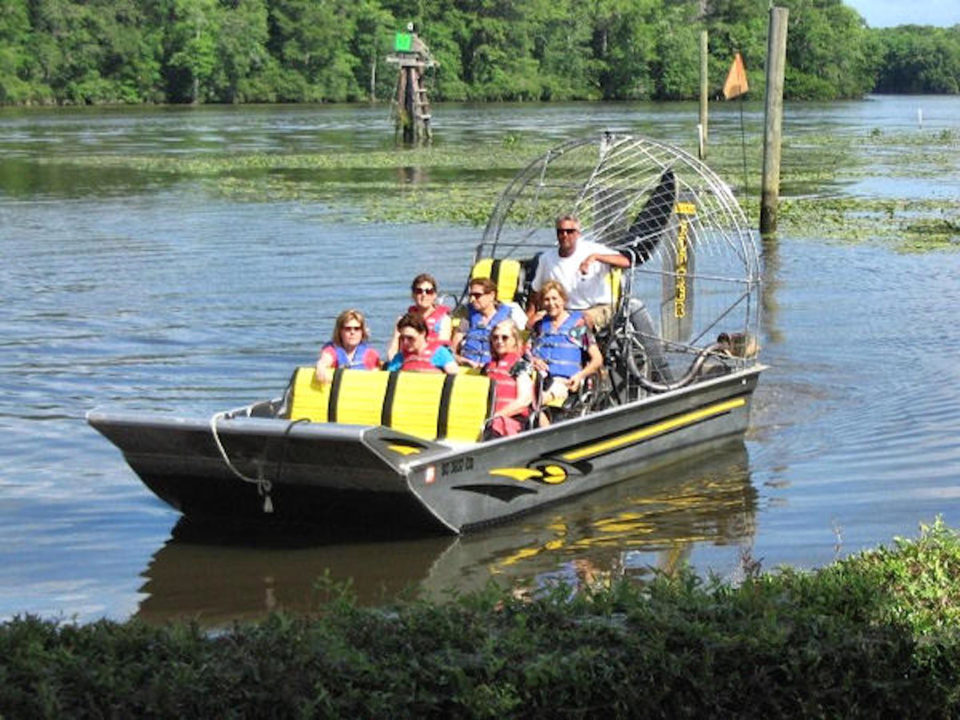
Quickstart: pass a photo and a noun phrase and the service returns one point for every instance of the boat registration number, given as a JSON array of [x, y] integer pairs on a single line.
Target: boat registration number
[[451, 467]]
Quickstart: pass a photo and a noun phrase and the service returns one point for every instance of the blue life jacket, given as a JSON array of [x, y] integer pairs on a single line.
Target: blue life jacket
[[476, 340], [359, 355], [555, 346]]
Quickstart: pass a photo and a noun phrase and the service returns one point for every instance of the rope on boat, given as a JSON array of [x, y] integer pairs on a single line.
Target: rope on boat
[[263, 484]]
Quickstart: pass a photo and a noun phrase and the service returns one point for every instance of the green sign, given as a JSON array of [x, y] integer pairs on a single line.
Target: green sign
[[403, 42]]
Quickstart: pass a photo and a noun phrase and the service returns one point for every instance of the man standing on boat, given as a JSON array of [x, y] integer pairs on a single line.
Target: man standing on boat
[[582, 267]]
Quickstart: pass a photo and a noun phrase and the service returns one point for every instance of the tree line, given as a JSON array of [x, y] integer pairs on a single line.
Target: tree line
[[259, 51]]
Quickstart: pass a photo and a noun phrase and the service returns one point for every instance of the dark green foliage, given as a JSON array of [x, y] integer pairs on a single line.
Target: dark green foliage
[[920, 60], [871, 636], [198, 51]]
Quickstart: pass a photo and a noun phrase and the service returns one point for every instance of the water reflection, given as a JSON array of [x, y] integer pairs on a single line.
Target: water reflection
[[651, 521], [770, 289]]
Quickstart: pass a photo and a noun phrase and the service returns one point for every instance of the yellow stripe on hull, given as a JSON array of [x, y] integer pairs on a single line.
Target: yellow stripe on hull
[[650, 431]]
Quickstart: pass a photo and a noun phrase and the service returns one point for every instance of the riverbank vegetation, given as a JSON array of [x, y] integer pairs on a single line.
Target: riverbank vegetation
[[874, 635], [258, 51]]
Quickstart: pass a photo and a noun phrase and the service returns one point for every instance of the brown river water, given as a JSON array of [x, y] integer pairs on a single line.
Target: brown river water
[[129, 289]]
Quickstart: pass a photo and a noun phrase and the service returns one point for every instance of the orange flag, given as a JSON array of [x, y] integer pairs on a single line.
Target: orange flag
[[736, 83]]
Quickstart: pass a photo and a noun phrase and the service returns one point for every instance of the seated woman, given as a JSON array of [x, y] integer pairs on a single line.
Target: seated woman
[[417, 353], [437, 317], [348, 347], [512, 378], [560, 342], [471, 341]]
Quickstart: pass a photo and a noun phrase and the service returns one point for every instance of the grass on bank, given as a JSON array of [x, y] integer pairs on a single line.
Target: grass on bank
[[872, 636]]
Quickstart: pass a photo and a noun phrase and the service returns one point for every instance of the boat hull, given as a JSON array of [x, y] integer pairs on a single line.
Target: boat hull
[[379, 481]]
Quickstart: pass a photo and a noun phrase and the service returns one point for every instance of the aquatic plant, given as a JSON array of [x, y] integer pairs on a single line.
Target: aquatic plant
[[442, 183]]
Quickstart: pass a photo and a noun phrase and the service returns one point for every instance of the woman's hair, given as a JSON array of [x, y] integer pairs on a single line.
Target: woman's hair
[[422, 278], [554, 285], [412, 320], [342, 318], [511, 327], [486, 283]]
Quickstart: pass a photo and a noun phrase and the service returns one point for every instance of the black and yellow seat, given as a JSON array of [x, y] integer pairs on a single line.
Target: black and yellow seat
[[617, 280], [507, 274], [431, 406]]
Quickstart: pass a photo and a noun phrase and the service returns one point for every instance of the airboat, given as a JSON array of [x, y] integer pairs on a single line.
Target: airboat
[[404, 452]]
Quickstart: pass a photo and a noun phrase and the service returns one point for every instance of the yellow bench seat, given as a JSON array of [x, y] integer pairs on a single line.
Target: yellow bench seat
[[431, 406]]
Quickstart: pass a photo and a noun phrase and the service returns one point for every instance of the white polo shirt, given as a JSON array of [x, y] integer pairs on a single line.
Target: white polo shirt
[[583, 291]]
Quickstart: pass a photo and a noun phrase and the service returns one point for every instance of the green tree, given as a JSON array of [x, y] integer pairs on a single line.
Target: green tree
[[677, 69], [919, 60], [131, 51], [562, 33], [445, 27], [625, 47], [828, 53], [311, 40], [14, 54], [370, 45], [241, 52], [191, 28]]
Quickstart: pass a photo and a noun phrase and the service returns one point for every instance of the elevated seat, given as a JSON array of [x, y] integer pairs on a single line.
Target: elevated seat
[[507, 274], [431, 406]]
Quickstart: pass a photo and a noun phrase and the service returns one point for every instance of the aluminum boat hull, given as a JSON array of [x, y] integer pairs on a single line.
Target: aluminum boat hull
[[368, 478]]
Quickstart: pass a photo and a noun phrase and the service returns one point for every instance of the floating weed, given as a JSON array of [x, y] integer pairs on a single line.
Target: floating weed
[[447, 184], [932, 234]]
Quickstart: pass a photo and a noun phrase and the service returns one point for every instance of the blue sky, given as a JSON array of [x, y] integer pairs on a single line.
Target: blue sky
[[886, 13]]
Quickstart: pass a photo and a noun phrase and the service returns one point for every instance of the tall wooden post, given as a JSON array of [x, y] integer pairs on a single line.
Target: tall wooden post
[[411, 104], [704, 89], [773, 118]]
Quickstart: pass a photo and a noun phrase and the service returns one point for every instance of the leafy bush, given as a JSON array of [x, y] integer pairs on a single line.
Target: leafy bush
[[871, 636]]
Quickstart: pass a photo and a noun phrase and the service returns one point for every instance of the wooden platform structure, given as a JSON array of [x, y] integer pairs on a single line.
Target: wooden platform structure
[[411, 109]]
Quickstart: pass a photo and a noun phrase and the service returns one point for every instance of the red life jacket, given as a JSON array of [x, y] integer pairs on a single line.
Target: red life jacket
[[420, 361], [505, 384], [434, 320]]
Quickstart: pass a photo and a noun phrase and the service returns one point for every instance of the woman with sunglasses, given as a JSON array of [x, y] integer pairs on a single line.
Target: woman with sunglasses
[[417, 353], [471, 341], [512, 378], [562, 346], [437, 317], [348, 347]]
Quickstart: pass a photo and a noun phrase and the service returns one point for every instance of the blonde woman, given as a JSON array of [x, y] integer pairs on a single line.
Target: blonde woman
[[348, 348], [562, 345], [512, 378]]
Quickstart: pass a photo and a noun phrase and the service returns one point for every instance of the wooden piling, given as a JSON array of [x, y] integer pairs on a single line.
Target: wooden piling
[[773, 118], [704, 90], [411, 104]]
